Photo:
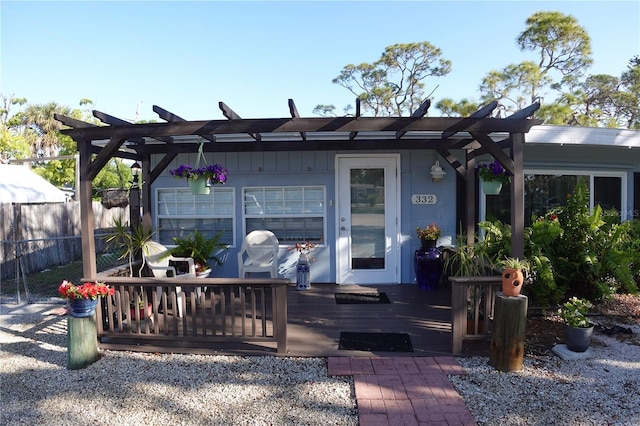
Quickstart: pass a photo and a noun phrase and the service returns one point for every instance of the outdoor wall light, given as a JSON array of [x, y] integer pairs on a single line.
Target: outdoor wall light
[[437, 174], [135, 171]]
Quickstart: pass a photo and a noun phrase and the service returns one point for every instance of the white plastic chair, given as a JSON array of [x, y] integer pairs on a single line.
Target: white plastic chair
[[157, 258], [259, 253]]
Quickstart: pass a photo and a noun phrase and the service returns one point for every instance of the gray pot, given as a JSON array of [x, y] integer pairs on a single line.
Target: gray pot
[[577, 339]]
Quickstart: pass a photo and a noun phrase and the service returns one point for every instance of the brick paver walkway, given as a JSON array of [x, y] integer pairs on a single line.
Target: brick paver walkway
[[404, 390]]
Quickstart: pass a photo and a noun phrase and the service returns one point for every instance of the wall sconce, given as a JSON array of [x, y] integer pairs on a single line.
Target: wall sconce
[[437, 174]]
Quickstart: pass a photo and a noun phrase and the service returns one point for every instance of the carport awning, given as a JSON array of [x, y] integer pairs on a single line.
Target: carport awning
[[18, 184]]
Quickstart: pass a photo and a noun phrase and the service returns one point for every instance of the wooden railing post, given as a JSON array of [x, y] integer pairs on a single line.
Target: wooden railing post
[[458, 314], [280, 317]]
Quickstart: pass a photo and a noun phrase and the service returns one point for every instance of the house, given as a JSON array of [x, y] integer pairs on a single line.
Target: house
[[357, 186]]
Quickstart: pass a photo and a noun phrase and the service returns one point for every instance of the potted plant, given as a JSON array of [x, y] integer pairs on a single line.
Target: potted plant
[[513, 273], [427, 260], [200, 249], [492, 177], [128, 239], [201, 178], [429, 234], [83, 299], [578, 329], [140, 307]]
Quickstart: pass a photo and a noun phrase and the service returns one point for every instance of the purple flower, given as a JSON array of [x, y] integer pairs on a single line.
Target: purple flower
[[493, 172], [216, 173]]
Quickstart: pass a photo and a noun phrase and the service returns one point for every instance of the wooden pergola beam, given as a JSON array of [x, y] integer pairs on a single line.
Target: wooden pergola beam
[[418, 113], [294, 114], [352, 135], [231, 115], [467, 122], [110, 119], [285, 125]]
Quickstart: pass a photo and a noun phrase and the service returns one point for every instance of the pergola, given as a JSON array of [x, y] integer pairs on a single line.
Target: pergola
[[476, 135]]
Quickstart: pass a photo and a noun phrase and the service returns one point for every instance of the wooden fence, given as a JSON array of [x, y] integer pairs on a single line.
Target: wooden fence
[[40, 236], [472, 306], [215, 312]]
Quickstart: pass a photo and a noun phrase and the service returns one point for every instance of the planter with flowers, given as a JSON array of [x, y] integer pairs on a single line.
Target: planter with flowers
[[303, 267], [201, 178], [492, 177], [578, 330], [83, 299], [428, 258]]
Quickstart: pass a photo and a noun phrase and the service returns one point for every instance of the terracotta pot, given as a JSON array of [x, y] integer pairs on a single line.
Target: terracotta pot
[[149, 312], [512, 280]]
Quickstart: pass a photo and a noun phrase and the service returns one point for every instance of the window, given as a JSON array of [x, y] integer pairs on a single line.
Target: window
[[180, 212], [293, 213], [545, 190]]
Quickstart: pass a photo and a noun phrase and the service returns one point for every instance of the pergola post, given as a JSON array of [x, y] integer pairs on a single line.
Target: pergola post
[[517, 197], [470, 199], [89, 270]]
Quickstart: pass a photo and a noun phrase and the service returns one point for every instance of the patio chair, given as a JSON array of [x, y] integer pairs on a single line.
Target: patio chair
[[259, 253], [157, 258]]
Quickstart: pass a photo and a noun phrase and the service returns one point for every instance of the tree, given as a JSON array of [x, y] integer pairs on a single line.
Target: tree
[[460, 109], [41, 129], [392, 85], [628, 101], [562, 46]]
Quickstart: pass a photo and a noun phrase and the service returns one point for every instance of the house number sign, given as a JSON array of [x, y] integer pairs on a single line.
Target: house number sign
[[424, 199]]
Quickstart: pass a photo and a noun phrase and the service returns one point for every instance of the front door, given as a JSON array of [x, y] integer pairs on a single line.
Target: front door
[[368, 212]]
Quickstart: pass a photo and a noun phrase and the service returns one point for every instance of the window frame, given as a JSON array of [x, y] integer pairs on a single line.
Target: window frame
[[322, 214], [590, 173], [196, 215]]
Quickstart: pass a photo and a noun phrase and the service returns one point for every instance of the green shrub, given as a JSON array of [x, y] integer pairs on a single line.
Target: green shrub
[[574, 252]]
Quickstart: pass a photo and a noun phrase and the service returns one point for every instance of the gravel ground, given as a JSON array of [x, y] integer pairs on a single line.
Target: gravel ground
[[127, 388], [131, 388], [602, 390]]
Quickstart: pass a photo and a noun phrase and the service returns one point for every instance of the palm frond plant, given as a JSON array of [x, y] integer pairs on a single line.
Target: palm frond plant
[[201, 249]]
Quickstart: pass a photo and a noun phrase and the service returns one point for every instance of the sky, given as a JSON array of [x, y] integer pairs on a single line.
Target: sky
[[186, 57]]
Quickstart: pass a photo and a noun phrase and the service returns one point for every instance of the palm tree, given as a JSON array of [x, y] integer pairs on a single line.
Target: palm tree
[[42, 129]]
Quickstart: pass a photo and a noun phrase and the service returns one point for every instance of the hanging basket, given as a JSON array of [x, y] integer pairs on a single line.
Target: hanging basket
[[115, 197], [491, 187], [199, 186]]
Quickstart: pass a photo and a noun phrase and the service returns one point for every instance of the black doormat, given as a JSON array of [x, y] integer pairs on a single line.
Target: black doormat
[[373, 342], [361, 298]]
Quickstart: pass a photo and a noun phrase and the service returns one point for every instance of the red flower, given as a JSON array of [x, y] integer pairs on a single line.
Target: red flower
[[90, 290]]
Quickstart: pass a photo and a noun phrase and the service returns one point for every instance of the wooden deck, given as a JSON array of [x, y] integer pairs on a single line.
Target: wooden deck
[[315, 320]]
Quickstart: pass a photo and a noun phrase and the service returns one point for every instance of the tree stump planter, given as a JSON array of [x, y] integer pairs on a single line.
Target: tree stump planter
[[509, 332]]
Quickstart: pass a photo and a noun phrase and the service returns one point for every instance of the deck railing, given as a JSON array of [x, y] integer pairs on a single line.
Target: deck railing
[[214, 311], [472, 305]]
